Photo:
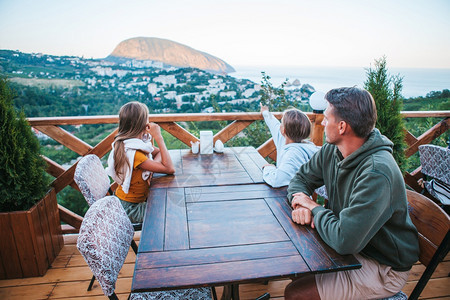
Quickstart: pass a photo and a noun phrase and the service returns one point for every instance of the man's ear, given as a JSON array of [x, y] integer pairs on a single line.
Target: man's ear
[[342, 127]]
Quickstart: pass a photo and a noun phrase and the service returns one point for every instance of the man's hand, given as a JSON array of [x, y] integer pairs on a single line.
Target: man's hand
[[303, 216], [303, 205], [302, 200]]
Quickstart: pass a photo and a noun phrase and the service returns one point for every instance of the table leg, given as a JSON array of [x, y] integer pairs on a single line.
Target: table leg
[[230, 291], [227, 292], [235, 290]]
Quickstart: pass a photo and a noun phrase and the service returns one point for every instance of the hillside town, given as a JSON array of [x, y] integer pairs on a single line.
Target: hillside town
[[166, 88]]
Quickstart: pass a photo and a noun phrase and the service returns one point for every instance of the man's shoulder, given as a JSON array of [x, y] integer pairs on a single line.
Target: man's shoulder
[[383, 158], [383, 163], [327, 149]]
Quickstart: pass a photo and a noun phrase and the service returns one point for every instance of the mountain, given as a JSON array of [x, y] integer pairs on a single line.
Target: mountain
[[168, 52]]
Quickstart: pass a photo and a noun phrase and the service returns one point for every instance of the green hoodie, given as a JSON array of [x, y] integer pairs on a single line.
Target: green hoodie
[[368, 211]]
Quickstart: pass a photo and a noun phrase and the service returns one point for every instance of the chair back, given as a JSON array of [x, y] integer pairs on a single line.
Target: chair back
[[104, 240], [433, 225], [435, 161], [431, 221], [91, 178]]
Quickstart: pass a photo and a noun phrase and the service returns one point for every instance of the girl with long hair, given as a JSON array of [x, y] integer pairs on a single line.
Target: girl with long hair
[[133, 158]]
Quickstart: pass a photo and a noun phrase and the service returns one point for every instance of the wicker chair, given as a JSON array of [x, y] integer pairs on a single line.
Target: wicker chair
[[435, 163], [91, 178], [104, 239]]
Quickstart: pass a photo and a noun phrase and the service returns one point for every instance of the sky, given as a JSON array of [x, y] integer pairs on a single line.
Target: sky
[[345, 33]]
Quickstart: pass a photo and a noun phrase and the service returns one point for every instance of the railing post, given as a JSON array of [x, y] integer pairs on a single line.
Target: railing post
[[318, 129]]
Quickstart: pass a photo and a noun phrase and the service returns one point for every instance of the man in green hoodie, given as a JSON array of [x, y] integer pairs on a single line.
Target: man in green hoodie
[[367, 213]]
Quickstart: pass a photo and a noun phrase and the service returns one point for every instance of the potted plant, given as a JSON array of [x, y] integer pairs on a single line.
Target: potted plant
[[30, 235]]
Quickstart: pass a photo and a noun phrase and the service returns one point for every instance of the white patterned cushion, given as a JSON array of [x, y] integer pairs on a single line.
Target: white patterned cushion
[[322, 191], [399, 296], [186, 294], [439, 190], [91, 178], [104, 240], [435, 162]]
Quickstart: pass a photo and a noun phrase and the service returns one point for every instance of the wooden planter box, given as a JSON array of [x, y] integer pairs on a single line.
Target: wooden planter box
[[30, 240]]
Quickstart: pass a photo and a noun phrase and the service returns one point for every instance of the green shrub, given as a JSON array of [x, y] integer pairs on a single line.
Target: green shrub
[[386, 91], [22, 180]]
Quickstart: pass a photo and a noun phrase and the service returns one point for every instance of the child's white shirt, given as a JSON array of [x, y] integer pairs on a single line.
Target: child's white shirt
[[289, 157], [131, 145]]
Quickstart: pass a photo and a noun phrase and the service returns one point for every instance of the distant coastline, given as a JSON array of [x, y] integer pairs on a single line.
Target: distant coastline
[[416, 82]]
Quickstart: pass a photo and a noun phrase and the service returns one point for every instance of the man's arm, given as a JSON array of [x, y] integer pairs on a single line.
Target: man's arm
[[368, 210], [309, 176]]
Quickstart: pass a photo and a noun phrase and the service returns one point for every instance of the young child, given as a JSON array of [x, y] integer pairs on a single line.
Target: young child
[[133, 158], [292, 148]]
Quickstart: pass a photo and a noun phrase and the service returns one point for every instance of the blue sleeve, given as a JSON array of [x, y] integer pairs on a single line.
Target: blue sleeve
[[275, 177], [274, 128], [285, 170]]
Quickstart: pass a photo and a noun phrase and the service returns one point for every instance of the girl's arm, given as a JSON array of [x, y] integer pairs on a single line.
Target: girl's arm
[[157, 157], [155, 152], [162, 162]]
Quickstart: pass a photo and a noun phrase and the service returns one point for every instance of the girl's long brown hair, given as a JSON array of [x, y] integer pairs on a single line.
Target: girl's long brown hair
[[133, 119]]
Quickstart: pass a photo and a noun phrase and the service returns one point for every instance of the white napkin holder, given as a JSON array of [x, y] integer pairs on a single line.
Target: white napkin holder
[[195, 147], [206, 142]]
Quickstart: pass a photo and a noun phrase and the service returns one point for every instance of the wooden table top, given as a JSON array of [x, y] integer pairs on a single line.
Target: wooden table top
[[237, 165], [216, 223]]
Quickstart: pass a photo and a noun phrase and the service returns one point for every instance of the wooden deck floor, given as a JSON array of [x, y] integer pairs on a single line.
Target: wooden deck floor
[[69, 277]]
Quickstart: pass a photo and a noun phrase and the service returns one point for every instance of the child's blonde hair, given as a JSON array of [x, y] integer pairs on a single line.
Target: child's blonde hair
[[297, 125], [133, 119]]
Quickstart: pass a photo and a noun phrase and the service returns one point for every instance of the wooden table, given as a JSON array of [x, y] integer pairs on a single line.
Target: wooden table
[[217, 223]]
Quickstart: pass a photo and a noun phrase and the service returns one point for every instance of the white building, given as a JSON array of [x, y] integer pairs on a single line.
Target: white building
[[248, 93], [214, 90], [132, 84], [165, 79], [152, 89], [179, 98], [91, 81], [215, 81], [230, 94], [102, 71], [170, 95]]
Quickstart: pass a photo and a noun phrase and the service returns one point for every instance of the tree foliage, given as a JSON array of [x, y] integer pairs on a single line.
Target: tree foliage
[[386, 91], [22, 170], [272, 97]]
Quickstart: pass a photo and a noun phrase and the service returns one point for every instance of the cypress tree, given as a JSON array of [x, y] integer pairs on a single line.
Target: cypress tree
[[22, 169], [386, 91]]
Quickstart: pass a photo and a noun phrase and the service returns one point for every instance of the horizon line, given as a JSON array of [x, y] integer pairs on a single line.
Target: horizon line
[[294, 66]]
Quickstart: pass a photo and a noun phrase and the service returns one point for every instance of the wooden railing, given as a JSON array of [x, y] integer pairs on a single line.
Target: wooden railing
[[169, 122]]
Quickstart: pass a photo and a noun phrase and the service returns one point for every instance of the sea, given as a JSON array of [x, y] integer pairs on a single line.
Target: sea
[[416, 82]]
